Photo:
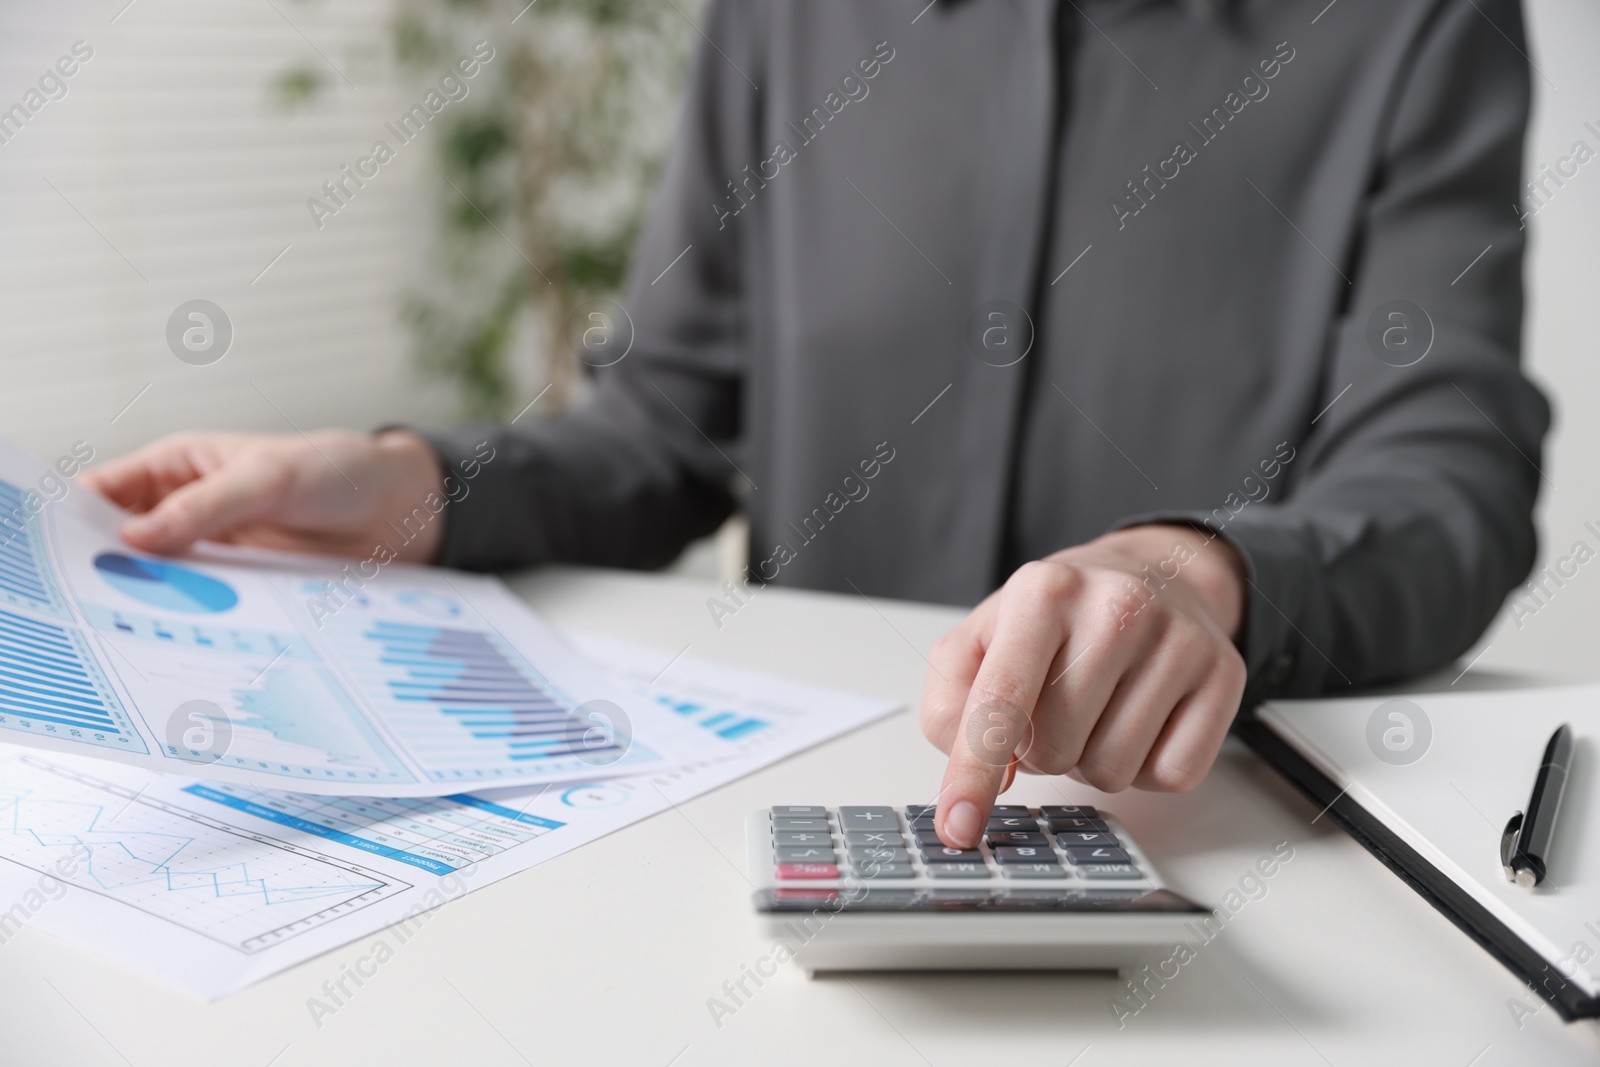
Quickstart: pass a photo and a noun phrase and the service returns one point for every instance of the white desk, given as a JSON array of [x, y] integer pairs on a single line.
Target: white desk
[[608, 955]]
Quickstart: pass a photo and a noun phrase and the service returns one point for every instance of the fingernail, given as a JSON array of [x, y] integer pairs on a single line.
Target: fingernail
[[144, 530], [961, 824]]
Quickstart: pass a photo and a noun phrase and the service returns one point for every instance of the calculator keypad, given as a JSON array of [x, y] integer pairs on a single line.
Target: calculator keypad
[[878, 844]]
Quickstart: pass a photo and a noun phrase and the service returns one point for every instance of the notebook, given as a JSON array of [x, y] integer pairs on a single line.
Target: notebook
[[1427, 781]]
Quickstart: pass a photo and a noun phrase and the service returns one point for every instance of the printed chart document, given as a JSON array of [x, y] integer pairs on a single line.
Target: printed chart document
[[288, 672], [210, 886]]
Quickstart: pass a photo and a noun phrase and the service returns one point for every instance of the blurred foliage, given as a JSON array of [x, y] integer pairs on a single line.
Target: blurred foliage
[[542, 172]]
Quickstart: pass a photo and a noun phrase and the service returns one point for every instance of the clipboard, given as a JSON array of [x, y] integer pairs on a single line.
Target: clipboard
[[1266, 731]]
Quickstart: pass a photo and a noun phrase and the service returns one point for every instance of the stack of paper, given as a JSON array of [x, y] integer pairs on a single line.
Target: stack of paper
[[249, 759]]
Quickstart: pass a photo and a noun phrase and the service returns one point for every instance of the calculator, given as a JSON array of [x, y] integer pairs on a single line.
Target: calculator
[[1062, 887]]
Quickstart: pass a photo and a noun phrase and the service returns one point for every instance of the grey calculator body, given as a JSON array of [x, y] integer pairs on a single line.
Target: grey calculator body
[[1063, 887]]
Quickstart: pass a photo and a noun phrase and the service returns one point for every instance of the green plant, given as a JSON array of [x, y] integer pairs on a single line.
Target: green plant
[[542, 176]]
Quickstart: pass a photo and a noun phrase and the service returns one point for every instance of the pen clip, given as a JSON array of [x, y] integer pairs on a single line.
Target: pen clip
[[1508, 845]]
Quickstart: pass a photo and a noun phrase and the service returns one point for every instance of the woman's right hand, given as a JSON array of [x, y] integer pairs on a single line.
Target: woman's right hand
[[331, 492]]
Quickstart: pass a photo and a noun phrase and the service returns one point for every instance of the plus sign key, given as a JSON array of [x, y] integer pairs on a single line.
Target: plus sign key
[[868, 819]]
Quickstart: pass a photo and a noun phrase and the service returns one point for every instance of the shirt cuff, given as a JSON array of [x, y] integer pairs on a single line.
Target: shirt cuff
[[482, 529], [1285, 623]]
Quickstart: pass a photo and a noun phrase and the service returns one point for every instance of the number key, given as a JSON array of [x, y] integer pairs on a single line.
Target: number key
[[1099, 854], [1069, 811], [1024, 854], [943, 854]]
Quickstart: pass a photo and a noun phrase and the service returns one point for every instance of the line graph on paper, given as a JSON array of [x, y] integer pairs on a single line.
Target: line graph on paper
[[247, 890]]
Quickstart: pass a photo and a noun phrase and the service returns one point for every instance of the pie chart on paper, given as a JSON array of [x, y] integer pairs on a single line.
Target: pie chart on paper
[[165, 585]]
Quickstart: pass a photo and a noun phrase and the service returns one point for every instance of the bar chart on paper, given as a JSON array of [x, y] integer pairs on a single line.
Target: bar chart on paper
[[464, 701], [246, 890], [50, 684], [22, 572]]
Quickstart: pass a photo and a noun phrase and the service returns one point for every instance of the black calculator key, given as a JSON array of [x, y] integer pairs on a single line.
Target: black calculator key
[[1026, 823], [1095, 854], [1069, 811], [802, 837], [868, 819], [921, 811], [804, 811], [789, 822], [1011, 809], [1032, 870], [1086, 839], [1107, 870], [885, 838], [957, 870], [1024, 854], [1062, 826], [942, 854], [922, 823], [928, 837], [810, 854], [1016, 837]]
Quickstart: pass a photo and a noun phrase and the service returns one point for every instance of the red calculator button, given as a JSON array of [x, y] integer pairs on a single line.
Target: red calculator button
[[788, 872]]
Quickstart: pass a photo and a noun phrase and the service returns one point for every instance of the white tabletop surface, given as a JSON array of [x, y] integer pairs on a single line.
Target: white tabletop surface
[[609, 954]]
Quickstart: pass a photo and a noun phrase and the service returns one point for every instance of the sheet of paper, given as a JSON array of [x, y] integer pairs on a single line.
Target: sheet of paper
[[210, 886], [287, 672]]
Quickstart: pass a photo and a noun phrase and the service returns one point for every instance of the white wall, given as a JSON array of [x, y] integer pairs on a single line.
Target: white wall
[[1561, 638], [170, 146]]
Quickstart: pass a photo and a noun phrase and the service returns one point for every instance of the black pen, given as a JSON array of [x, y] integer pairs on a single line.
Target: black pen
[[1525, 845]]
